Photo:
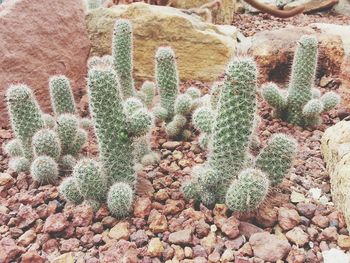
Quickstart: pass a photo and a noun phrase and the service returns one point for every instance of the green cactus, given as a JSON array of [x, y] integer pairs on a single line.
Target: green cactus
[[44, 170], [160, 113], [19, 164], [248, 191], [46, 142], [148, 91], [202, 119], [79, 142], [94, 204], [120, 199], [277, 157], [215, 92], [85, 123], [90, 180], [70, 192], [61, 95], [140, 122], [110, 126], [203, 140], [122, 56], [131, 105], [330, 100], [67, 128], [193, 92], [167, 79], [25, 114], [190, 189], [67, 162], [93, 4], [49, 121], [274, 97], [13, 148], [179, 121], [183, 104]]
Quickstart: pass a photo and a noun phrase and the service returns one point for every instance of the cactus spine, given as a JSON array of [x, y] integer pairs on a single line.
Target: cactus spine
[[301, 105], [122, 56]]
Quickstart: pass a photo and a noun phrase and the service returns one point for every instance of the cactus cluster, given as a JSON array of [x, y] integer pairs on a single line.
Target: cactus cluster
[[301, 104], [231, 174], [43, 141], [174, 108]]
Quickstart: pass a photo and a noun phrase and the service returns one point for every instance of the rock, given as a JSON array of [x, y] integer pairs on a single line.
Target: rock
[[32, 256], [267, 216], [343, 7], [139, 237], [306, 209], [297, 236], [213, 43], [68, 245], [120, 231], [309, 5], [51, 25], [248, 229], [118, 251], [26, 216], [227, 256], [82, 215], [296, 197], [5, 179], [171, 145], [268, 247], [157, 222], [182, 237], [9, 250], [288, 218], [155, 247], [230, 227], [65, 258], [344, 241], [209, 242], [320, 220], [274, 49], [27, 238], [142, 207], [335, 255], [329, 234], [55, 223]]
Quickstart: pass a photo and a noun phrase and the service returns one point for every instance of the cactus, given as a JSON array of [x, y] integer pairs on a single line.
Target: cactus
[[61, 95], [19, 164], [79, 142], [215, 92], [147, 92], [90, 179], [67, 128], [120, 199], [67, 162], [302, 104], [167, 79], [248, 191], [93, 4], [69, 190], [49, 121], [85, 123], [13, 148], [25, 114], [202, 119], [44, 169], [193, 92], [183, 104], [122, 56], [46, 142]]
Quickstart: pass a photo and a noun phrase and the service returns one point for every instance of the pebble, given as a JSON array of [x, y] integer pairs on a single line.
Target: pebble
[[120, 231], [182, 237], [288, 218], [155, 247]]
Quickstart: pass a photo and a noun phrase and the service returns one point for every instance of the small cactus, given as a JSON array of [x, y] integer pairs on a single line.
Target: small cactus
[[44, 170], [61, 95], [79, 142], [148, 91], [49, 121], [120, 199], [46, 142], [193, 92], [330, 100], [69, 190], [19, 164], [67, 128], [86, 124], [13, 148], [67, 162], [202, 119], [183, 104]]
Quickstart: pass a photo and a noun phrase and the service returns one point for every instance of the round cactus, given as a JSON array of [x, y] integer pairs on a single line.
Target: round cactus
[[90, 180], [150, 159], [167, 78], [194, 92], [61, 95], [94, 204], [86, 123], [248, 191], [25, 114], [70, 192], [277, 157], [203, 119], [190, 189], [140, 122], [183, 104], [172, 130], [122, 56], [313, 108], [79, 142], [19, 164], [179, 121], [44, 169], [13, 148], [67, 162], [330, 100], [160, 113], [46, 142], [186, 135], [67, 127], [203, 140], [120, 199], [49, 121], [131, 105]]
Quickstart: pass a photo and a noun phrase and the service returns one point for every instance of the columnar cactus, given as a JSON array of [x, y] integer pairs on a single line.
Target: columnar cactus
[[230, 174], [25, 114], [67, 128], [61, 95], [301, 105], [147, 93], [122, 56]]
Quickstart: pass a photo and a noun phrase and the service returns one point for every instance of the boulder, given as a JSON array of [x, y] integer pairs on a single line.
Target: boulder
[[335, 147], [39, 39], [343, 7], [274, 51], [202, 49], [311, 5]]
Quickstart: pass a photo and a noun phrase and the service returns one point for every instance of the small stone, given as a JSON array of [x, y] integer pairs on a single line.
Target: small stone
[[157, 222], [26, 216], [329, 234], [297, 236], [214, 257], [120, 231], [65, 258], [27, 238], [108, 221], [171, 145], [296, 197], [320, 220], [182, 237], [230, 227], [267, 216], [227, 256], [288, 218], [315, 193], [199, 251], [178, 155], [31, 257], [142, 207], [68, 245], [306, 209], [236, 243], [344, 241], [161, 195], [179, 253], [247, 229], [173, 207], [9, 250], [82, 215], [5, 179], [268, 247], [155, 247], [188, 252], [139, 237], [209, 242], [335, 255], [55, 223]]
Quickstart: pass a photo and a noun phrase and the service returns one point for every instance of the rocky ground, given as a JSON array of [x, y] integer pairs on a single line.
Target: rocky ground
[[298, 223]]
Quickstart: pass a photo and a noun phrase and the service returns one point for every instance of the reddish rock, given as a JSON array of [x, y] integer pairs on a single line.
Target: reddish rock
[[268, 247], [32, 256], [267, 216], [82, 215], [55, 223], [320, 220], [182, 237], [50, 246], [157, 222], [230, 227], [39, 39], [9, 250], [27, 238], [142, 207], [297, 236], [69, 245], [248, 229], [307, 210], [121, 251], [288, 218], [26, 216], [329, 234]]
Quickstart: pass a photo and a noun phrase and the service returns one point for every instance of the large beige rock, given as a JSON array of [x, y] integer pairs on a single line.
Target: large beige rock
[[335, 147], [202, 50], [343, 7], [274, 51], [38, 39]]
